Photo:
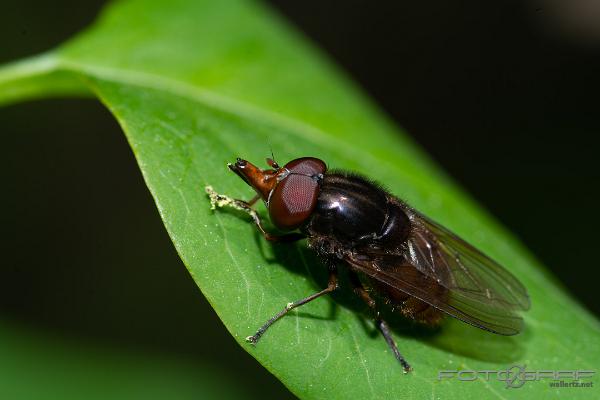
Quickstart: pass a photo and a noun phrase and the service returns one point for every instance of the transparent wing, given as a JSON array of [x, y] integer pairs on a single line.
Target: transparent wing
[[479, 291], [460, 267]]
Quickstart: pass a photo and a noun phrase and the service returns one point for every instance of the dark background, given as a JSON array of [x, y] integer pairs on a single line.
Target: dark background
[[502, 94]]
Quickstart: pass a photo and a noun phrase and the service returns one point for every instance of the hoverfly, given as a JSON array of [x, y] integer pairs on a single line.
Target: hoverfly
[[417, 266]]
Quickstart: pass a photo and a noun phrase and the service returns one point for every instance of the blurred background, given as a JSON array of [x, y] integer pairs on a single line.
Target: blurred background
[[502, 94]]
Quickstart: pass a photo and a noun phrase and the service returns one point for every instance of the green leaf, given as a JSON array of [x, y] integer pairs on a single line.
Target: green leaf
[[195, 84]]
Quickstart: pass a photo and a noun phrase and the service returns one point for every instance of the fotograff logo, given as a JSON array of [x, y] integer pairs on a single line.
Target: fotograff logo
[[516, 376]]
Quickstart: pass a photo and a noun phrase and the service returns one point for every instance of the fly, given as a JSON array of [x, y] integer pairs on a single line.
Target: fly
[[415, 265]]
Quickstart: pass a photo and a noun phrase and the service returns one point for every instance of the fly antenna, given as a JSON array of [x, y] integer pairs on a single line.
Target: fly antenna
[[271, 161]]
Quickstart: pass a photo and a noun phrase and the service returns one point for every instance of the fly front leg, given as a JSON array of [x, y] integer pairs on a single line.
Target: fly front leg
[[331, 286], [220, 200], [253, 200], [383, 327]]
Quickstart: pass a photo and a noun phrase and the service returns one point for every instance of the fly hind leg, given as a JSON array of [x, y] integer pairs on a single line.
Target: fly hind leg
[[383, 327]]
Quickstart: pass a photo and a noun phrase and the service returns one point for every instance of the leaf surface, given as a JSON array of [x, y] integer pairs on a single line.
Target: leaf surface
[[195, 84]]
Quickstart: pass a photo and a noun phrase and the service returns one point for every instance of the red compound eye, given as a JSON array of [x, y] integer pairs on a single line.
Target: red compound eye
[[295, 197]]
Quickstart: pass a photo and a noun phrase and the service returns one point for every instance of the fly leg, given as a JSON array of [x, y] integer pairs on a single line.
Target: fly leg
[[331, 286], [360, 290], [220, 200]]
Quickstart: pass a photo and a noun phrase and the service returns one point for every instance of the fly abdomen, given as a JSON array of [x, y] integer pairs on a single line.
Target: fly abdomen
[[408, 305]]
